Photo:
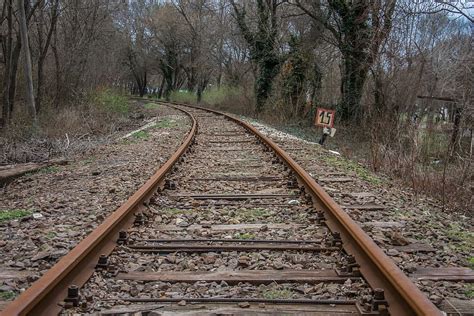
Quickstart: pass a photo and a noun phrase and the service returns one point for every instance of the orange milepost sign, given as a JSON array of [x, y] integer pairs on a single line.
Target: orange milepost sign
[[324, 117]]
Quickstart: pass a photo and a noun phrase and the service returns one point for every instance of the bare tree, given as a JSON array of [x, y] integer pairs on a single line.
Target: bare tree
[[43, 46], [27, 64]]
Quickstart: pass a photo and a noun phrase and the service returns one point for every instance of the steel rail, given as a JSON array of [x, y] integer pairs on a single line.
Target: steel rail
[[377, 268], [44, 295]]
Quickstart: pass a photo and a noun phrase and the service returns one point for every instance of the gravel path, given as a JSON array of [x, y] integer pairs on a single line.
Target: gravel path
[[64, 204], [176, 216]]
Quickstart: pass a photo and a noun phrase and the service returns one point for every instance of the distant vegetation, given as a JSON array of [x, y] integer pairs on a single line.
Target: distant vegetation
[[111, 102], [398, 73]]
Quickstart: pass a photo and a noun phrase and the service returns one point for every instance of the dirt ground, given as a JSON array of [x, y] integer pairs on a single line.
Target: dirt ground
[[46, 213]]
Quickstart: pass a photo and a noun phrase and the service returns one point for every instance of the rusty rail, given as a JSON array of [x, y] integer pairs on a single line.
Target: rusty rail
[[77, 266], [377, 268]]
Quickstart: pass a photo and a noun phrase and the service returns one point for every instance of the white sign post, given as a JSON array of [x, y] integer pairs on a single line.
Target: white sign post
[[325, 119]]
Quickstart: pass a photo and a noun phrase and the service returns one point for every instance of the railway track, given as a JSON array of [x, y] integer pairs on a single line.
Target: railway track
[[229, 225]]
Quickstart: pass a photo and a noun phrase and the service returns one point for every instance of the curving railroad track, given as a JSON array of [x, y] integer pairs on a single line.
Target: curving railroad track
[[229, 225]]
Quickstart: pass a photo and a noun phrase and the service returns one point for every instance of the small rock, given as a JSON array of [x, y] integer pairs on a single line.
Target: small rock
[[244, 261], [435, 299], [181, 222], [134, 291], [209, 258], [18, 264], [37, 215], [293, 202], [42, 255], [182, 303], [244, 304], [5, 288], [332, 288], [393, 252], [398, 240], [171, 259], [278, 265]]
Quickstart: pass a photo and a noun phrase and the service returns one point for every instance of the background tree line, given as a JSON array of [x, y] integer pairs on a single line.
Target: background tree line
[[398, 72]]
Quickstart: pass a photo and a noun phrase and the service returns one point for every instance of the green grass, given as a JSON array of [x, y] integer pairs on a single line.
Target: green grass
[[50, 235], [88, 161], [253, 213], [471, 262], [7, 295], [45, 170], [112, 101], [351, 166], [210, 96], [49, 170], [165, 123], [7, 215], [464, 238], [434, 143], [183, 96], [277, 294], [216, 95], [151, 106], [469, 290], [244, 236], [144, 135], [174, 211]]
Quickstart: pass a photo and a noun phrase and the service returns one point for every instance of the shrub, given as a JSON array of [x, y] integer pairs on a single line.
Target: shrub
[[214, 96], [183, 96], [111, 101]]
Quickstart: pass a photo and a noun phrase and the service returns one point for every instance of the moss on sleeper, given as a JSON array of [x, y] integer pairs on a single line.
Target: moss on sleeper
[[244, 236], [275, 294]]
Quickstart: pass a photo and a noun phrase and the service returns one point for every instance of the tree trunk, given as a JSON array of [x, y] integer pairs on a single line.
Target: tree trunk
[[200, 89], [12, 75], [456, 125], [57, 69], [6, 107], [30, 97], [267, 71], [162, 86], [142, 85], [353, 78], [43, 53], [11, 70]]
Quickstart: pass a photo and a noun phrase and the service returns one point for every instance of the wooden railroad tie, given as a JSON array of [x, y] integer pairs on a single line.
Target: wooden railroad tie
[[235, 277]]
